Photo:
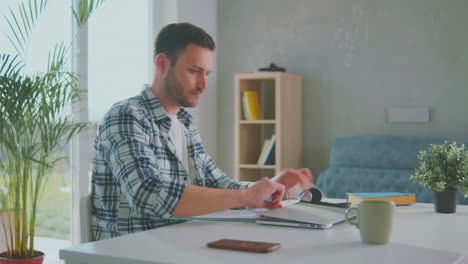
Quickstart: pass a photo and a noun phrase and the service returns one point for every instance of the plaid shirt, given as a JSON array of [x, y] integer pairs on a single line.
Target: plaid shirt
[[138, 179]]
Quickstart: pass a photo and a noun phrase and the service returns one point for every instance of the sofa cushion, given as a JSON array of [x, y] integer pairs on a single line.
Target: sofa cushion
[[337, 181], [380, 151], [377, 163]]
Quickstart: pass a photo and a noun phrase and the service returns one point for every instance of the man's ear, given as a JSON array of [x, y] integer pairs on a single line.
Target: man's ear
[[162, 63]]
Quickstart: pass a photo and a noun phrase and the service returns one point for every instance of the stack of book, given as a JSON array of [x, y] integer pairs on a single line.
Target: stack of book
[[251, 105], [267, 154]]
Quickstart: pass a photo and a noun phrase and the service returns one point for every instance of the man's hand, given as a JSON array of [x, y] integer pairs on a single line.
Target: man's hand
[[198, 200], [291, 177], [255, 196]]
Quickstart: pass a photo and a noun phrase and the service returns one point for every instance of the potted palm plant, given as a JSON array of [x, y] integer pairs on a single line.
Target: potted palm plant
[[35, 122], [444, 169]]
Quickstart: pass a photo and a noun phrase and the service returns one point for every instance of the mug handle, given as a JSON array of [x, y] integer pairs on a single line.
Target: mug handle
[[349, 210]]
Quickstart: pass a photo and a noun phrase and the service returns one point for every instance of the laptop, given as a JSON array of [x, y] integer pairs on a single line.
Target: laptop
[[304, 215]]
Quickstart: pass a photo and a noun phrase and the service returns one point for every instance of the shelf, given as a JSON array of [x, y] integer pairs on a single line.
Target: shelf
[[257, 122], [280, 102], [256, 166]]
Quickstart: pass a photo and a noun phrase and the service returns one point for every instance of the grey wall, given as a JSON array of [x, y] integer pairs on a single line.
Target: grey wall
[[357, 58], [201, 13]]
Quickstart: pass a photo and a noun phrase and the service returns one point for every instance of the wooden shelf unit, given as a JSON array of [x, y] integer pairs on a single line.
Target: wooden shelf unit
[[281, 103]]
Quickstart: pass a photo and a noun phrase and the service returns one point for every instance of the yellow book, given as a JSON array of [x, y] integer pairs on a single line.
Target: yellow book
[[245, 107], [253, 105], [396, 197]]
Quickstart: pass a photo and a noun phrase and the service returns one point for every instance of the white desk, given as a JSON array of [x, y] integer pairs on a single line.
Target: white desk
[[419, 236]]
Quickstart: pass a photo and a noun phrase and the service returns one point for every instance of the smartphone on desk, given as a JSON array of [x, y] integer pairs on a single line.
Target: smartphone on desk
[[244, 245]]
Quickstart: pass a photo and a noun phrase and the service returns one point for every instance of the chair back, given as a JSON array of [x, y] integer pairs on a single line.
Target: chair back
[[85, 223]]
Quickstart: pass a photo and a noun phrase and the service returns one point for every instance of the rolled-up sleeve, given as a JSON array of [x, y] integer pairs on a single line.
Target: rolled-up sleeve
[[134, 166]]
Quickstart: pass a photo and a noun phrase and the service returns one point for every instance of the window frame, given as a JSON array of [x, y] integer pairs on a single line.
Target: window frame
[[80, 156]]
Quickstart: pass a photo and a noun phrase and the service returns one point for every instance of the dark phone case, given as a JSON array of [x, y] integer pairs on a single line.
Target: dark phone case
[[243, 245]]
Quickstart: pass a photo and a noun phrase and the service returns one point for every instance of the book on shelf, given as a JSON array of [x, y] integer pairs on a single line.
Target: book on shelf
[[251, 105], [265, 156], [270, 159], [245, 107], [396, 197], [262, 152]]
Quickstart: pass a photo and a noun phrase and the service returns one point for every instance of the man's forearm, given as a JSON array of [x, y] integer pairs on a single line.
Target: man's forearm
[[198, 200]]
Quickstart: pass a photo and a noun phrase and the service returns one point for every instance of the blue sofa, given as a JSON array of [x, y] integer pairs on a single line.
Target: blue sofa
[[377, 163]]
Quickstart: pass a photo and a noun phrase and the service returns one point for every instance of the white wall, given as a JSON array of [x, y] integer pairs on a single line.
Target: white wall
[[358, 58], [201, 13]]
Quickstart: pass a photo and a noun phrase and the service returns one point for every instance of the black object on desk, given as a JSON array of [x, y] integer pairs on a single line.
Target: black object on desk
[[315, 197]]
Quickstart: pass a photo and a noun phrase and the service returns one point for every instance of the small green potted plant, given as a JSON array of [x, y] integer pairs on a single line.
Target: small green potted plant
[[444, 169]]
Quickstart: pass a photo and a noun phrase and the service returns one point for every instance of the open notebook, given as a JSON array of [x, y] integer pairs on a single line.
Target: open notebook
[[294, 214], [245, 215], [304, 215]]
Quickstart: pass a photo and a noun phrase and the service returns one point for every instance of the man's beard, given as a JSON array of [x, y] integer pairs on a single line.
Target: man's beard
[[174, 89]]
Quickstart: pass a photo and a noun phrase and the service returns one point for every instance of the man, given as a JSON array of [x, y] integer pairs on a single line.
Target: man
[[149, 161]]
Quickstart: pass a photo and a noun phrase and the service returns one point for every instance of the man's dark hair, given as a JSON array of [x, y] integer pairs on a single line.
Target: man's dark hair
[[175, 37]]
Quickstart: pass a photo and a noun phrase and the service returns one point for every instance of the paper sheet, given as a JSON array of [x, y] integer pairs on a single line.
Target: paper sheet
[[247, 214]]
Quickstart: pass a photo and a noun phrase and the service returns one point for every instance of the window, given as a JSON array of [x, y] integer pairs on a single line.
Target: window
[[119, 51], [53, 216], [118, 55], [116, 62]]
